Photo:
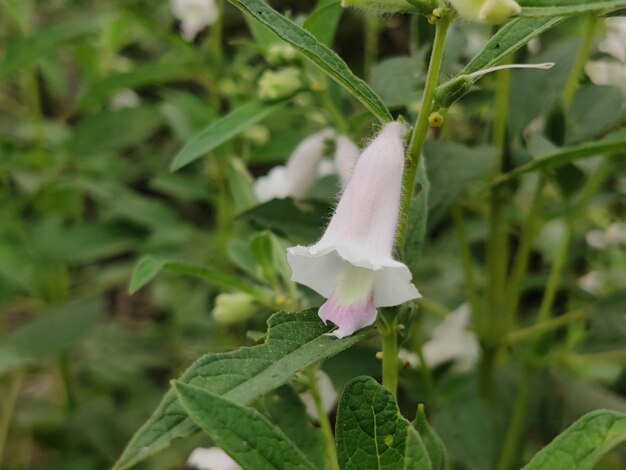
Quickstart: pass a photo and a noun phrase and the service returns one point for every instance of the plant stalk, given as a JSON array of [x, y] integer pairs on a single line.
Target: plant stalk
[[327, 431]]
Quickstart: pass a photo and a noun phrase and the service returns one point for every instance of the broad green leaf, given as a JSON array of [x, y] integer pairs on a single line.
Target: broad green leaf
[[396, 80], [23, 53], [612, 144], [149, 266], [432, 442], [294, 341], [317, 52], [244, 433], [285, 409], [222, 131], [322, 22], [114, 130], [418, 219], [50, 333], [582, 445], [568, 7], [241, 185], [451, 167], [294, 218], [594, 110], [372, 434]]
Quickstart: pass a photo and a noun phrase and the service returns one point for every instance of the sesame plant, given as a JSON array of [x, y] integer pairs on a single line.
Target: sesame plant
[[356, 234]]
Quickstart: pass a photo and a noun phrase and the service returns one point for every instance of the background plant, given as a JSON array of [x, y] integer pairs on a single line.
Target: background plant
[[125, 147]]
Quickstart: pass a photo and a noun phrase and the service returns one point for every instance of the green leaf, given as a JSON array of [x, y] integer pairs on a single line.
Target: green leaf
[[582, 445], [114, 130], [372, 434], [50, 333], [508, 39], [285, 409], [612, 144], [149, 266], [396, 80], [244, 433], [223, 130], [295, 341], [594, 110], [418, 219], [241, 185], [300, 218], [317, 52], [432, 442], [322, 22], [23, 53], [568, 7]]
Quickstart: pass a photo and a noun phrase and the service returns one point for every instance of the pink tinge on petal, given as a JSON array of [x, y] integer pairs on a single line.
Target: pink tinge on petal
[[348, 318]]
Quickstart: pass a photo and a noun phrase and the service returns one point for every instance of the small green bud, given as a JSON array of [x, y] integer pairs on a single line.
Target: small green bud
[[449, 93], [281, 53], [487, 11], [233, 307], [435, 119], [279, 84]]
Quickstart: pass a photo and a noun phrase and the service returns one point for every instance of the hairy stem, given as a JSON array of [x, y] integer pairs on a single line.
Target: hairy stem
[[327, 431], [416, 143], [388, 328]]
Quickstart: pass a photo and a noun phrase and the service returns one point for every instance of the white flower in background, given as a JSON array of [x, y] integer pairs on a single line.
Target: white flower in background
[[125, 98], [613, 236], [611, 72], [327, 394], [486, 11], [194, 15], [298, 176], [451, 341], [346, 155], [212, 458], [352, 264], [592, 282]]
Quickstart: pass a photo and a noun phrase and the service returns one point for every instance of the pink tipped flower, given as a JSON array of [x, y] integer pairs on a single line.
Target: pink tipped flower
[[352, 265], [299, 174]]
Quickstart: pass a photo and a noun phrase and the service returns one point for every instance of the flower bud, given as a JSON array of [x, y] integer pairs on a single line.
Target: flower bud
[[281, 53], [487, 11], [279, 84], [233, 307]]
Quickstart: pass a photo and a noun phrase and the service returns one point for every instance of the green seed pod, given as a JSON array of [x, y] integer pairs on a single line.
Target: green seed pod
[[452, 91]]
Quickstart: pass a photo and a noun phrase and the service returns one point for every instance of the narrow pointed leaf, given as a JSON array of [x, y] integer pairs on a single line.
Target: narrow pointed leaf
[[371, 433], [317, 52], [295, 341], [244, 433], [223, 130], [581, 446], [568, 7], [432, 442], [612, 144]]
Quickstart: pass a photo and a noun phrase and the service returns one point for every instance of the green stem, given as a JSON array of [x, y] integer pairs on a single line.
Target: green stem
[[517, 424], [520, 263], [327, 430], [370, 54], [581, 59], [543, 327], [421, 125], [388, 328], [556, 273], [466, 257], [8, 406]]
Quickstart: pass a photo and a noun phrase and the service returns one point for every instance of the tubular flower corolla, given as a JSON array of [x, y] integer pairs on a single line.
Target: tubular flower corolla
[[194, 15], [352, 264]]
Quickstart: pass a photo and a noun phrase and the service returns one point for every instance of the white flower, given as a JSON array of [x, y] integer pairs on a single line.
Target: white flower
[[233, 307], [486, 11], [611, 72], [194, 15], [346, 155], [352, 265], [299, 174], [212, 458], [327, 394], [592, 282], [614, 236], [125, 98], [451, 341]]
